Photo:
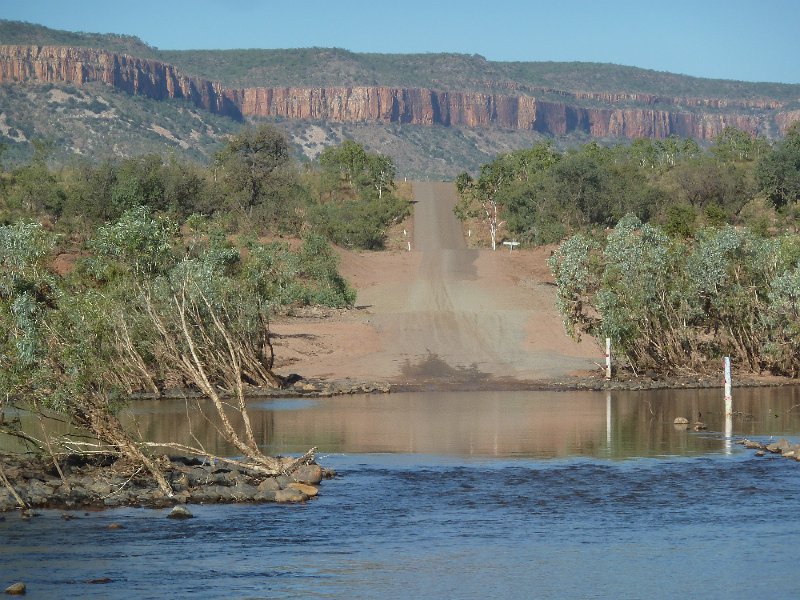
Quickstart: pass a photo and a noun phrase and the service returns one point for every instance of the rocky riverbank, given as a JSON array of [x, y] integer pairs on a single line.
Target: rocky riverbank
[[104, 481]]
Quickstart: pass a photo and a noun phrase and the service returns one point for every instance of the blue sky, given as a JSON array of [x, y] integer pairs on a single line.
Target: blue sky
[[733, 39]]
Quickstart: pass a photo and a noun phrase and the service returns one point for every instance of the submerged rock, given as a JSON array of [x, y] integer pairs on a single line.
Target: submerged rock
[[779, 447], [752, 445], [16, 589], [180, 512]]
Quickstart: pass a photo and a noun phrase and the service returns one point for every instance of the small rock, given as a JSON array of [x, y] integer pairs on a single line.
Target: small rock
[[699, 426], [308, 490], [16, 589], [751, 445], [180, 512], [100, 580], [114, 526], [681, 421], [760, 453]]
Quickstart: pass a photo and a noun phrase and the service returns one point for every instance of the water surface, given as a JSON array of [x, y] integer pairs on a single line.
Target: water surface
[[462, 495]]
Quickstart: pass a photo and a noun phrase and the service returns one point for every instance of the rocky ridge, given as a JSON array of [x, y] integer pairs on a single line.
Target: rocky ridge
[[546, 111]]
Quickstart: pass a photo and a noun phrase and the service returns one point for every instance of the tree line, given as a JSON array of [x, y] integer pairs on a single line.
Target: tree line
[[711, 268], [252, 185], [539, 195]]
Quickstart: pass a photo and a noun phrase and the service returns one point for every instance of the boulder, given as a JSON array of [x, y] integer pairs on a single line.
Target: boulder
[[243, 491], [265, 496], [100, 488], [751, 445], [310, 474], [681, 421], [269, 485], [284, 480], [760, 453], [16, 589], [180, 512], [308, 490], [290, 495]]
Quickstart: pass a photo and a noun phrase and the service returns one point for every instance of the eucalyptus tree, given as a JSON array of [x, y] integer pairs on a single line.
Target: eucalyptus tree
[[147, 311], [676, 305], [778, 172]]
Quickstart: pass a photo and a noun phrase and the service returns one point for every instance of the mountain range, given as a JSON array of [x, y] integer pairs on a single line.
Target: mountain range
[[436, 114]]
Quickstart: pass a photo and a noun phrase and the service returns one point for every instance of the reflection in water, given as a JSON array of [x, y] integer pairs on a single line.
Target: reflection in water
[[484, 424], [492, 424]]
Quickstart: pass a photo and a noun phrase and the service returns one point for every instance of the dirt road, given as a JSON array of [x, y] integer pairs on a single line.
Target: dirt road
[[442, 314]]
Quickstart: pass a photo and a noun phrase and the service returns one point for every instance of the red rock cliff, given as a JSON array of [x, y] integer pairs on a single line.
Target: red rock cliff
[[157, 80]]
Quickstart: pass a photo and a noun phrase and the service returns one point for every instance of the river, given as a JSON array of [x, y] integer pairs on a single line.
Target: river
[[468, 495]]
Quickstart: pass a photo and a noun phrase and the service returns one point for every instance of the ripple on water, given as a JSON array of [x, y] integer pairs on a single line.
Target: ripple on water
[[422, 526]]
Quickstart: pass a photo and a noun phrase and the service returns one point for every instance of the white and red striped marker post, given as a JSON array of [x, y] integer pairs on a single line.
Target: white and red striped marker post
[[726, 369], [608, 358]]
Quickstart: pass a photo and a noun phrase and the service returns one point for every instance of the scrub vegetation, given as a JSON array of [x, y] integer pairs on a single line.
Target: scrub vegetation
[[148, 273]]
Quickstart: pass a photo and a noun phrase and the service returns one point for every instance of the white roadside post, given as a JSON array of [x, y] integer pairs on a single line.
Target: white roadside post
[[726, 365], [608, 358], [511, 245]]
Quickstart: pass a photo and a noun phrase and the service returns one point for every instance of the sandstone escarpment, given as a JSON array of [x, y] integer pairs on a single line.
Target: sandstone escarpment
[[607, 115], [137, 76]]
